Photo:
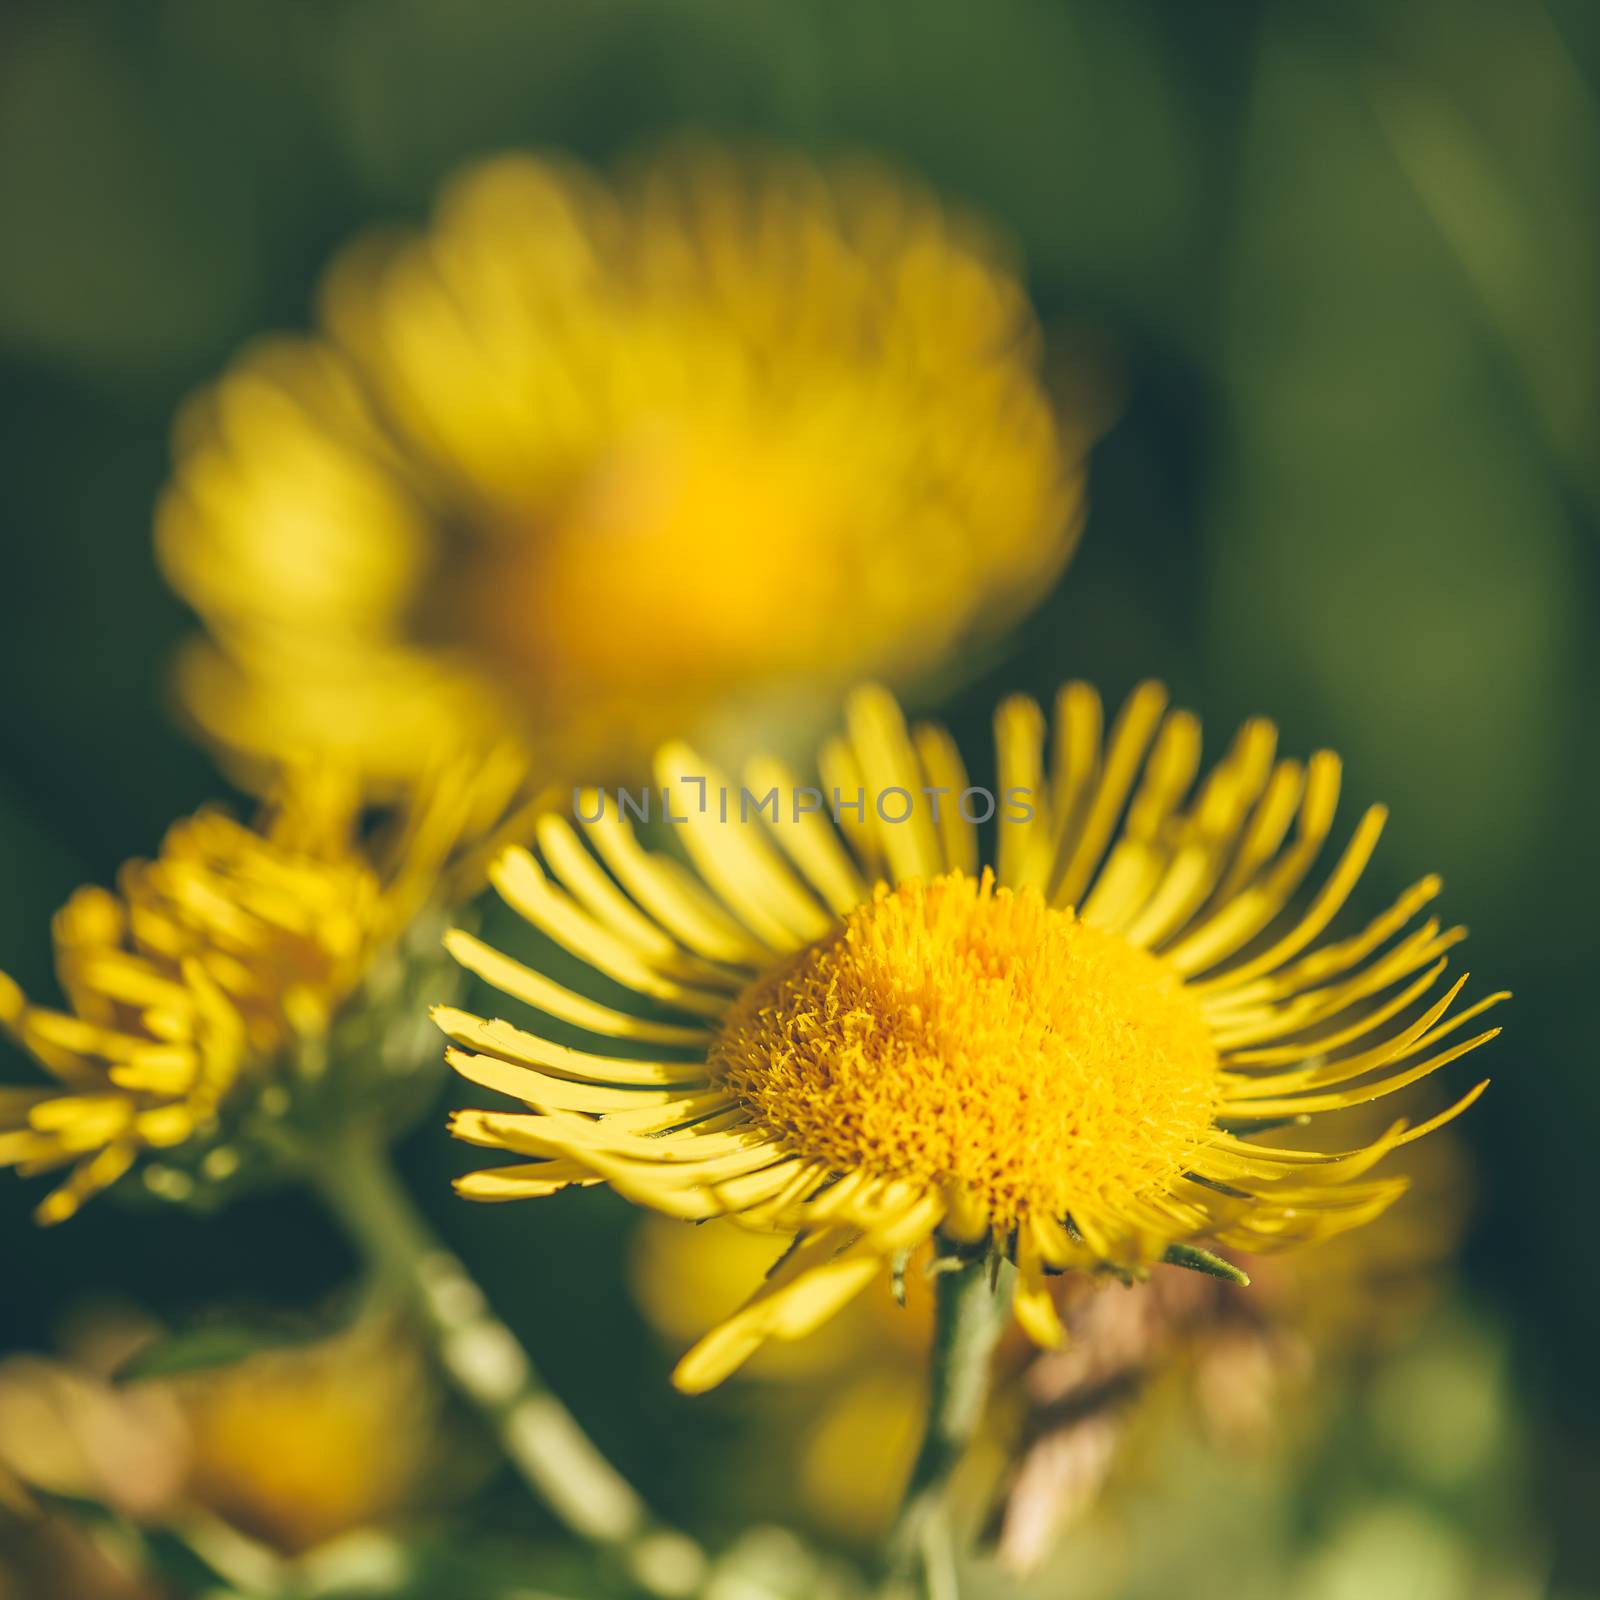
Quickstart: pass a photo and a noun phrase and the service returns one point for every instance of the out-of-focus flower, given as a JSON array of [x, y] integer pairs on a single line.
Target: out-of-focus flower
[[878, 1048], [65, 1430], [53, 1557], [1400, 1469], [596, 461], [292, 1446], [1181, 1350], [296, 1446], [211, 968]]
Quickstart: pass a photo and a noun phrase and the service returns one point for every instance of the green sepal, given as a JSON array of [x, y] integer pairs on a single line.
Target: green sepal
[[897, 1276], [225, 1343], [788, 1250], [1198, 1260]]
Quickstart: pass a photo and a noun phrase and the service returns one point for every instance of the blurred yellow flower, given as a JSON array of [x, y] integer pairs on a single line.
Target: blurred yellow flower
[[1144, 1367], [298, 1445], [205, 967], [66, 1430], [595, 461], [292, 1446], [1061, 1060]]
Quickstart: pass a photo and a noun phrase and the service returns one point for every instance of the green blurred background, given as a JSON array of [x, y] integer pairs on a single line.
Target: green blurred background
[[1343, 264]]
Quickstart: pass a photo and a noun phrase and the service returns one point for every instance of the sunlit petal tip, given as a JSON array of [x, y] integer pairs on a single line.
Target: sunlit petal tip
[[715, 1358], [511, 860], [1036, 1312]]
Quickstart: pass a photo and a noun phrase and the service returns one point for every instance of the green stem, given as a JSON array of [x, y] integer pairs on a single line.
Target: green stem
[[487, 1363], [971, 1302]]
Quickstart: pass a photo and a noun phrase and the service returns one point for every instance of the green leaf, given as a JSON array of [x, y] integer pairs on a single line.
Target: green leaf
[[201, 1349], [1198, 1260]]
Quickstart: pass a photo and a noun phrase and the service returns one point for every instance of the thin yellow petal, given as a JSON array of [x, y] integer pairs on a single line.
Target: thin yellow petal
[[888, 761], [1130, 737], [1030, 1300], [544, 994], [807, 1288], [946, 773]]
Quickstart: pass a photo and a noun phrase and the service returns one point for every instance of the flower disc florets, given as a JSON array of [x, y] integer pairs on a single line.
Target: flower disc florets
[[959, 1034]]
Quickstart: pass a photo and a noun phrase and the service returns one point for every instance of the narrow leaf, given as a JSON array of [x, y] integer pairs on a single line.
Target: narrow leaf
[[1198, 1260]]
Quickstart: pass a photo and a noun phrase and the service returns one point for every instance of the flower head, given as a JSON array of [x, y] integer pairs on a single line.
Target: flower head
[[234, 949], [588, 460], [1063, 1059]]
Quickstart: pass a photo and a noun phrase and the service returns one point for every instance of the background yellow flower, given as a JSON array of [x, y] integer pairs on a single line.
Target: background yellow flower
[[602, 461], [298, 1445], [292, 1445]]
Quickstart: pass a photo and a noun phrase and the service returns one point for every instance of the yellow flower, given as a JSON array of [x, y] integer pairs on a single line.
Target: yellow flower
[[293, 1445], [1062, 1059], [590, 461], [204, 969], [299, 1445]]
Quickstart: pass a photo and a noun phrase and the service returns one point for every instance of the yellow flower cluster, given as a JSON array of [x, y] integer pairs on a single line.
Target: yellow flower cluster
[[235, 946]]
